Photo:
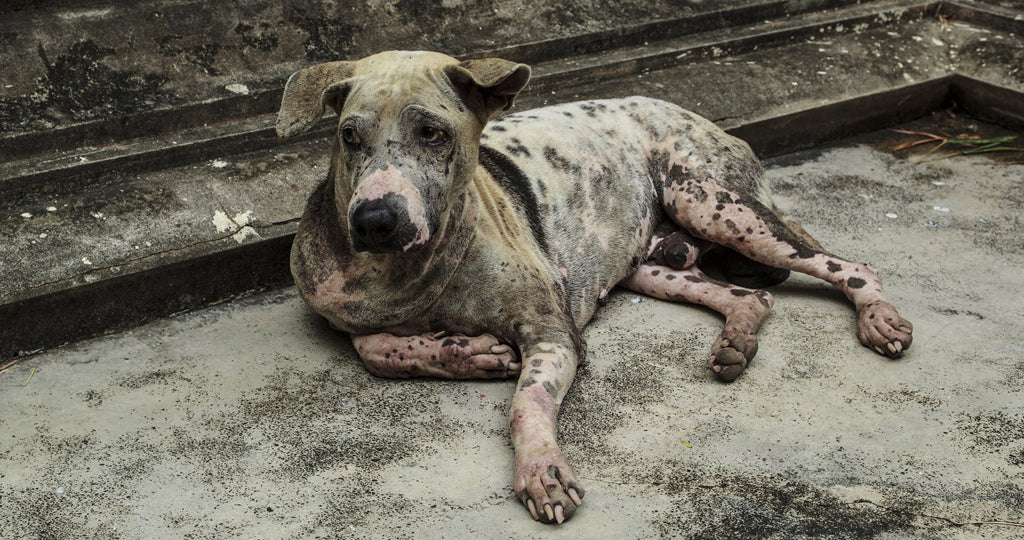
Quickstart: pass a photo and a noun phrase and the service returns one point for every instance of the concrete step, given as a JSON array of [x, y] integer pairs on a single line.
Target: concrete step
[[102, 237]]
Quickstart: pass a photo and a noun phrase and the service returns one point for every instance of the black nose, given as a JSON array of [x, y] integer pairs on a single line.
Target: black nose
[[374, 223]]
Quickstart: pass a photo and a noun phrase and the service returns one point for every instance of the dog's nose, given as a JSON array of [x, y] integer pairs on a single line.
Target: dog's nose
[[374, 223]]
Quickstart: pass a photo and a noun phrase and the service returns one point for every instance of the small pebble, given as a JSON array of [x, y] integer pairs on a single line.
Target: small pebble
[[891, 216], [26, 215], [941, 209]]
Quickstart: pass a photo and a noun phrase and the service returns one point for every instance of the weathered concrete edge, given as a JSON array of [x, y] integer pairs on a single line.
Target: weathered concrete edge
[[181, 142], [192, 115], [209, 274]]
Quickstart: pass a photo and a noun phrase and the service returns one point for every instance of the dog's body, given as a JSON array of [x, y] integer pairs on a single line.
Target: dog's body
[[445, 248]]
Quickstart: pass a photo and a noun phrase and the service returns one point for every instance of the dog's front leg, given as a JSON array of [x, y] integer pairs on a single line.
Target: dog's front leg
[[436, 355], [544, 481]]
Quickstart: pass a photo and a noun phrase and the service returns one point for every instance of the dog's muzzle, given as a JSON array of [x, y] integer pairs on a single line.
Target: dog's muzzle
[[382, 225]]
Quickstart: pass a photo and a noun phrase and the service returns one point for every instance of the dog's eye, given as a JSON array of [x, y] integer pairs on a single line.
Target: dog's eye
[[349, 135], [431, 136]]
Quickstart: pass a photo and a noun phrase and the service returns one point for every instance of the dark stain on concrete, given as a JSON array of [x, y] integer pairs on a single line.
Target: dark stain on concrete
[[78, 86]]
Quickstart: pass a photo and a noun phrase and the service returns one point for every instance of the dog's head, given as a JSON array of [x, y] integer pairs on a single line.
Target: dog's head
[[409, 126]]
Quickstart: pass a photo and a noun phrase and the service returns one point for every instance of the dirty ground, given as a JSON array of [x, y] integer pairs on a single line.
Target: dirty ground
[[253, 419]]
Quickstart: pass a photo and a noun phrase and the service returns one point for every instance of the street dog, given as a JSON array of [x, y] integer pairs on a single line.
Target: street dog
[[450, 245]]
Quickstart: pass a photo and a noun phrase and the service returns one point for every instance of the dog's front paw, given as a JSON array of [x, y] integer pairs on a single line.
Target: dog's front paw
[[477, 357], [882, 329], [545, 483]]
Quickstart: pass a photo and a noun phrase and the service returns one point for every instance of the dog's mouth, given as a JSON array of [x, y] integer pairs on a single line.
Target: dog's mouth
[[384, 225]]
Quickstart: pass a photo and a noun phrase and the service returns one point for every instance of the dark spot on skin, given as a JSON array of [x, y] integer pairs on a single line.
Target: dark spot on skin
[[740, 292], [517, 149], [558, 162], [498, 127], [723, 197], [694, 279], [716, 216], [833, 266], [732, 226], [537, 363], [535, 372], [552, 391], [855, 283], [872, 316], [670, 277], [720, 207], [655, 272], [527, 383], [699, 193], [448, 342]]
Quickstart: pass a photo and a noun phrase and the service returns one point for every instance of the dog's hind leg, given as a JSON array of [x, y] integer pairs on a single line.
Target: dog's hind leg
[[437, 355], [706, 208], [744, 310]]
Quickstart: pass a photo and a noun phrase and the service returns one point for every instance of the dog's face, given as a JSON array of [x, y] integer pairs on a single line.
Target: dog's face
[[408, 134]]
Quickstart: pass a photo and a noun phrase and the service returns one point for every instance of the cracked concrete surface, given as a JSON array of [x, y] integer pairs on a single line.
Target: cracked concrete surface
[[253, 419]]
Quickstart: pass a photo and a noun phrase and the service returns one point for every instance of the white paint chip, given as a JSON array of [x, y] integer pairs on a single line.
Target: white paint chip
[[219, 164], [891, 216], [237, 88], [940, 209], [222, 221], [26, 215], [239, 224]]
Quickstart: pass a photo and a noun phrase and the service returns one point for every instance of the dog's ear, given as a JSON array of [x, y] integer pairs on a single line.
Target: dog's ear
[[308, 92], [496, 82]]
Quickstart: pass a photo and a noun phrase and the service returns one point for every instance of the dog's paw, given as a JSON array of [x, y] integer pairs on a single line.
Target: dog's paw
[[882, 329], [437, 355], [545, 483], [478, 357], [732, 353]]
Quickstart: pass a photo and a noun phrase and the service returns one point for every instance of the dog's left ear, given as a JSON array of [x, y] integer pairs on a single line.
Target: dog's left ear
[[308, 92], [496, 82]]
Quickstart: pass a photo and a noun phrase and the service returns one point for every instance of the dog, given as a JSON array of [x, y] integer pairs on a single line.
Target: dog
[[449, 245]]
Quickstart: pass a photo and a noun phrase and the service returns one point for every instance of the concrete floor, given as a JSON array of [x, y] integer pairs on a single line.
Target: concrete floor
[[253, 420]]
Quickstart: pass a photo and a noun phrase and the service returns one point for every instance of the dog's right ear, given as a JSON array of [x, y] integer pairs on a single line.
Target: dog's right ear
[[308, 92]]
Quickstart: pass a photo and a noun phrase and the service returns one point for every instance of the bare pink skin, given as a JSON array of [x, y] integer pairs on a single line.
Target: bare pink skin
[[744, 310], [746, 230], [543, 478], [438, 355]]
